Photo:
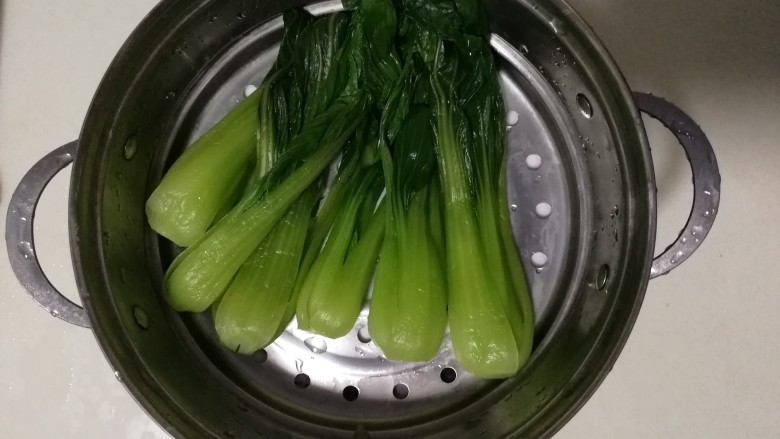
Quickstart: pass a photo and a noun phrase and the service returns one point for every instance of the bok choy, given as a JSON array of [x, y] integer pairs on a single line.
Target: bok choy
[[375, 147]]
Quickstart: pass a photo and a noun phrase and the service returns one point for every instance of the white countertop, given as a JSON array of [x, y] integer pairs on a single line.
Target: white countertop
[[701, 361]]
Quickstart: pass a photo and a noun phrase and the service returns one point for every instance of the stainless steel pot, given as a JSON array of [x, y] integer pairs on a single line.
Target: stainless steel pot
[[582, 193]]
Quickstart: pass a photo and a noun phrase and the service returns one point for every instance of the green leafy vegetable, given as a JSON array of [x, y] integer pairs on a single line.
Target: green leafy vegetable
[[408, 313], [200, 274], [400, 95], [332, 291], [253, 308], [196, 187], [489, 314], [194, 191]]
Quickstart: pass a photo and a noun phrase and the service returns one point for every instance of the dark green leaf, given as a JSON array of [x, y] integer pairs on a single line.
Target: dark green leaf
[[413, 152]]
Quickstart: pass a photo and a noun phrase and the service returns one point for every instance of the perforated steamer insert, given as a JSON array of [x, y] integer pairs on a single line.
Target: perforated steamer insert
[[348, 379]]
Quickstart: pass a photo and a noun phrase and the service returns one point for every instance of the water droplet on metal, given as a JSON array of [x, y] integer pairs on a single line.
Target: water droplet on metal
[[524, 49], [26, 249], [249, 89], [316, 344], [513, 207], [117, 376], [299, 365]]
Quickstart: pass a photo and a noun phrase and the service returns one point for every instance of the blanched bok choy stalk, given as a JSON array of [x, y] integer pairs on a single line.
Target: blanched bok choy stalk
[[331, 294], [408, 312], [490, 314]]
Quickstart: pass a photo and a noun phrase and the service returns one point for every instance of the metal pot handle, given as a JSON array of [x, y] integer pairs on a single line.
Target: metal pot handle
[[19, 237], [706, 180]]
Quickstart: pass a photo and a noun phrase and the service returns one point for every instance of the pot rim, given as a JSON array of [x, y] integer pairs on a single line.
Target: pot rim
[[181, 424]]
